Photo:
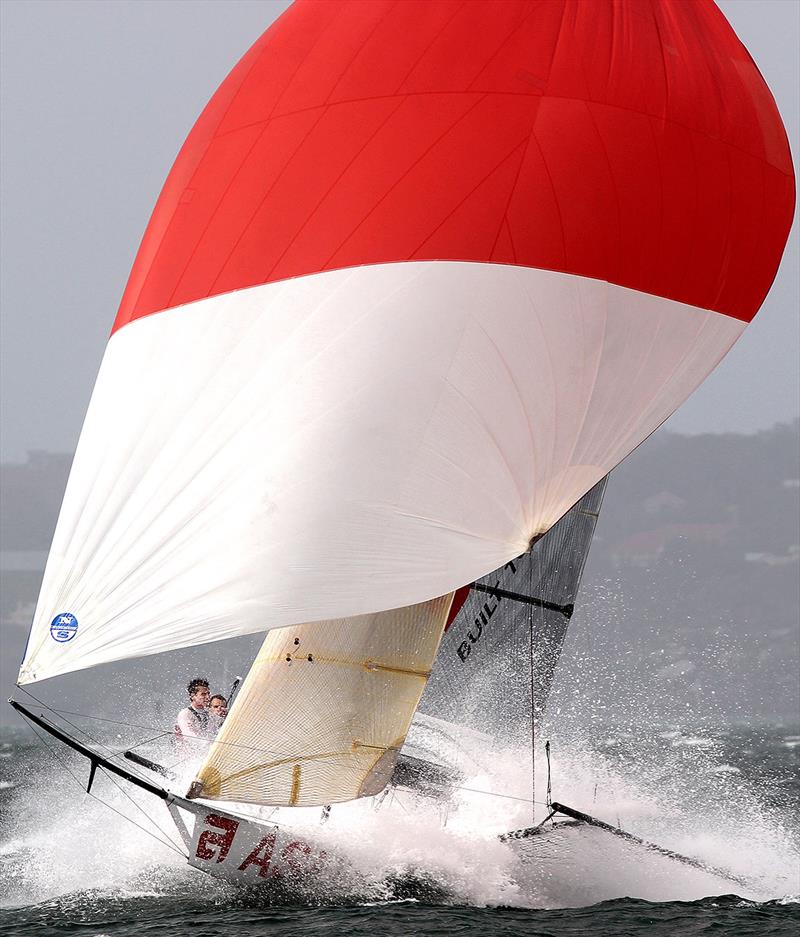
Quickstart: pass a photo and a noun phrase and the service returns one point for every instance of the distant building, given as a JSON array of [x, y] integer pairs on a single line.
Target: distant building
[[645, 548], [30, 498], [665, 502], [791, 556]]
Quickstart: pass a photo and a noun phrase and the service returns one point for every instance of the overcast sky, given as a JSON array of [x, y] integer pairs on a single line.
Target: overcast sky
[[97, 98]]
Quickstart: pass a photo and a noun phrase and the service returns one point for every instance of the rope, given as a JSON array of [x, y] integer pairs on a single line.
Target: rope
[[116, 722], [141, 809], [155, 738], [125, 794], [168, 843], [133, 725], [533, 692], [114, 755], [117, 755], [524, 800]]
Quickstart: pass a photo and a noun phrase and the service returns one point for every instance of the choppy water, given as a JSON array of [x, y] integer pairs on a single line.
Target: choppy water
[[70, 865], [725, 916]]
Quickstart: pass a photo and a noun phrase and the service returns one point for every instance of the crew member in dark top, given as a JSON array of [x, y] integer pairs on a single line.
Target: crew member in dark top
[[217, 711]]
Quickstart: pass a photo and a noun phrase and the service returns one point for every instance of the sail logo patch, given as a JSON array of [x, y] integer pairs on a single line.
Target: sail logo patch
[[64, 627]]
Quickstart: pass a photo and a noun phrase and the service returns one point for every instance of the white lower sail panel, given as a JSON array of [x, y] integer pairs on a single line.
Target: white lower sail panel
[[347, 442], [325, 709]]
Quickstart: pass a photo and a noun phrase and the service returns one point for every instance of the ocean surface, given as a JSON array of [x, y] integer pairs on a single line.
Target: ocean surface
[[72, 864]]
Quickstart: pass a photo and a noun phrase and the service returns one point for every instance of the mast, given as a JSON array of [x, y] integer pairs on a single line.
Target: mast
[[499, 654], [498, 657]]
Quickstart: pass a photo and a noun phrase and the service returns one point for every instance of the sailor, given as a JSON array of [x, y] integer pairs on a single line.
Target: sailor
[[194, 721], [217, 711]]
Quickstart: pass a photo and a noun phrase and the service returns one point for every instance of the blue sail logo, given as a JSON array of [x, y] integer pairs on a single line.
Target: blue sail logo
[[64, 627]]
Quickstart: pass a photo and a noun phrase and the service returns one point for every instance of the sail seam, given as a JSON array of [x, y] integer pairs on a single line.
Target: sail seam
[[279, 763], [366, 665]]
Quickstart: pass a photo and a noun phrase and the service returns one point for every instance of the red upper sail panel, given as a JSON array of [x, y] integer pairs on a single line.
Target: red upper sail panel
[[632, 141]]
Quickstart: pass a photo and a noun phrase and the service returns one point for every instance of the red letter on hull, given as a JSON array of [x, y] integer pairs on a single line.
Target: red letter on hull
[[267, 844], [209, 838]]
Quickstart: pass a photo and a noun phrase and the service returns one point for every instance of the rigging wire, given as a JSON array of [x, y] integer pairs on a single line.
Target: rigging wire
[[117, 755], [471, 790], [144, 813], [136, 804], [524, 800], [114, 755], [531, 614], [149, 741], [121, 789], [134, 725], [168, 843], [116, 722]]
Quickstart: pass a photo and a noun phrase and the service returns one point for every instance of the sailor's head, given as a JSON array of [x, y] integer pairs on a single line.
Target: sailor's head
[[198, 692], [218, 705]]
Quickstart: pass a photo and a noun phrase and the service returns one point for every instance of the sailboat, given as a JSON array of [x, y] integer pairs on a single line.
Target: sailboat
[[514, 620], [420, 277]]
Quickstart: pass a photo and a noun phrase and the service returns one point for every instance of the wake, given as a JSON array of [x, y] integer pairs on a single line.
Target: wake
[[58, 845]]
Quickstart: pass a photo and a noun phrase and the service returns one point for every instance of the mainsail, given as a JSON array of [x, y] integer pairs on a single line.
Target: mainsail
[[498, 657], [325, 709]]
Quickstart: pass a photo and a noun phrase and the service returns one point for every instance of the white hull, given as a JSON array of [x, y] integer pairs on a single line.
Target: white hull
[[567, 864], [247, 852]]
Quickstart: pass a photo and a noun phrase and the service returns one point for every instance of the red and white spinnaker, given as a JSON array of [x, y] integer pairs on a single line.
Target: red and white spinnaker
[[421, 275]]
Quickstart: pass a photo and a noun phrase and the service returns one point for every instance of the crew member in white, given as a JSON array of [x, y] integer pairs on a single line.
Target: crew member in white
[[193, 722]]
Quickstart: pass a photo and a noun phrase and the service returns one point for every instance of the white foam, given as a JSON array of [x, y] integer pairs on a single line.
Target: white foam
[[682, 798]]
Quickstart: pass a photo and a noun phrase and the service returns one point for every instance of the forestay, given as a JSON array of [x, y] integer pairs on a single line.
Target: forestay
[[324, 711]]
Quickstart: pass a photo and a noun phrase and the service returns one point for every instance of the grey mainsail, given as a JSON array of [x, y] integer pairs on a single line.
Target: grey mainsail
[[497, 659]]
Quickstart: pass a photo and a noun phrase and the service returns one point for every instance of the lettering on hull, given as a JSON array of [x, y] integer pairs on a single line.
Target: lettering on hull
[[245, 851]]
